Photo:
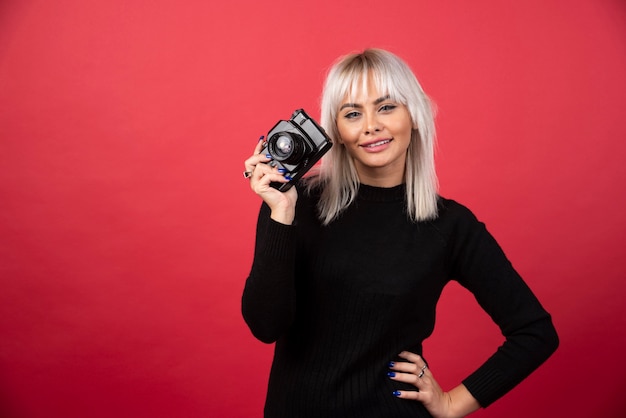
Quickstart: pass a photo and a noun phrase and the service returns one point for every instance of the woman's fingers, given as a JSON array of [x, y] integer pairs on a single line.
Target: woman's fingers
[[255, 159], [263, 175], [415, 364], [414, 372], [412, 357], [259, 172], [411, 377]]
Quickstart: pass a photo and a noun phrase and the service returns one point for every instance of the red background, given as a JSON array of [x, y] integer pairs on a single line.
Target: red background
[[126, 229]]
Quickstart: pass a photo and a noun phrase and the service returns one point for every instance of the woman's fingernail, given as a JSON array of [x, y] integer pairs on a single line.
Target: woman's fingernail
[[391, 364], [262, 138], [396, 393], [268, 156], [288, 178], [391, 374], [282, 170]]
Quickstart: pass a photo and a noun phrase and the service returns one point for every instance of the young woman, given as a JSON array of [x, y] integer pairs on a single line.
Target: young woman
[[350, 263]]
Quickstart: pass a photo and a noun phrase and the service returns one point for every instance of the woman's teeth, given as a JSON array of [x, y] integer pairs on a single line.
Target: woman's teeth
[[379, 143]]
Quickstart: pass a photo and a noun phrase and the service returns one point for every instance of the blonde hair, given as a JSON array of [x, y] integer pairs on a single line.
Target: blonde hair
[[337, 174]]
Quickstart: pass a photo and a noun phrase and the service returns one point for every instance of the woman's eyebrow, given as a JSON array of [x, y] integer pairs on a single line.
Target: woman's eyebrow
[[382, 99], [357, 106]]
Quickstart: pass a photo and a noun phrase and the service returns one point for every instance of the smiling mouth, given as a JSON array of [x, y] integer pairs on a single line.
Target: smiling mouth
[[377, 143]]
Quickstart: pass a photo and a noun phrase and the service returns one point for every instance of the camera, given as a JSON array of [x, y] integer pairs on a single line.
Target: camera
[[295, 145]]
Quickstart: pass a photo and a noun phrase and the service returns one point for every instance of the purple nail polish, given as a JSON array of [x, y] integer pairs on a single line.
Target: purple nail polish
[[288, 178], [268, 155], [391, 364], [391, 374], [262, 138], [396, 393]]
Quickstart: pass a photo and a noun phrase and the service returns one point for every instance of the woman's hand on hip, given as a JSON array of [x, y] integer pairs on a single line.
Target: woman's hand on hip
[[453, 404]]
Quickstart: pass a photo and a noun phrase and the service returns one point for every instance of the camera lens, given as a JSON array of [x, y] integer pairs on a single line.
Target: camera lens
[[286, 147]]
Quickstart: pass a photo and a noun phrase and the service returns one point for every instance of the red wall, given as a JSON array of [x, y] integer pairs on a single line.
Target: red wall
[[126, 229]]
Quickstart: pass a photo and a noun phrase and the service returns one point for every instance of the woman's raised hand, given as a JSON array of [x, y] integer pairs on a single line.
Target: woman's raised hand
[[261, 174]]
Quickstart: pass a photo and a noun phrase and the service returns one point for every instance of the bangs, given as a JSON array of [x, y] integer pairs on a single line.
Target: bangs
[[353, 80]]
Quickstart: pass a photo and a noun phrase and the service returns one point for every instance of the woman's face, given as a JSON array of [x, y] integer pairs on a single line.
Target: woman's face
[[376, 132]]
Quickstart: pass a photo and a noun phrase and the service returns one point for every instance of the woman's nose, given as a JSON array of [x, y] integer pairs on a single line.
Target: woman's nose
[[372, 124]]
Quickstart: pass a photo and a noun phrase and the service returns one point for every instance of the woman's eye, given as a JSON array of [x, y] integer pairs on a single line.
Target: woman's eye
[[387, 107], [351, 115]]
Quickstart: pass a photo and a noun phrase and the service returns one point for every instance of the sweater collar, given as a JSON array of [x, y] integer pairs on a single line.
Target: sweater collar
[[381, 194]]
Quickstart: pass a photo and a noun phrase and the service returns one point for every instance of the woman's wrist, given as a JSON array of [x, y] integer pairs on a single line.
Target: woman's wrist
[[283, 216], [461, 402]]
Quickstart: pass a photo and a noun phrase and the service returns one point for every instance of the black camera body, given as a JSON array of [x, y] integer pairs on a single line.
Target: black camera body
[[295, 145]]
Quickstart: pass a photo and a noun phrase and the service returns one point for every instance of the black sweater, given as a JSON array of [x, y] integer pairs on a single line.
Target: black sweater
[[343, 300]]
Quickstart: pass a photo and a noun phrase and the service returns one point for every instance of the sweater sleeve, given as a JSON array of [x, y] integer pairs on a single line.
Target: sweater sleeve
[[268, 301], [480, 265]]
